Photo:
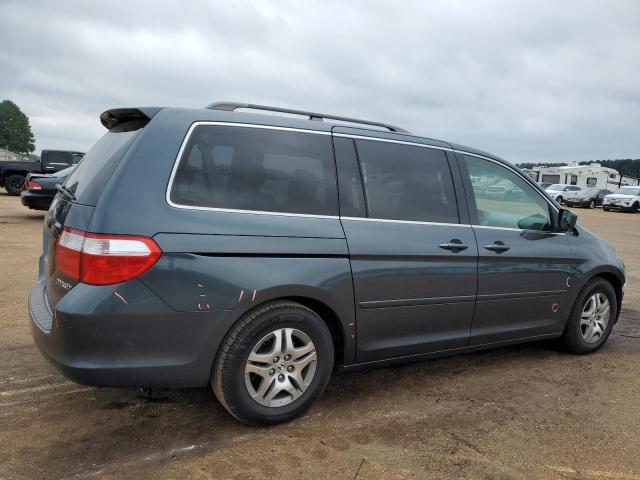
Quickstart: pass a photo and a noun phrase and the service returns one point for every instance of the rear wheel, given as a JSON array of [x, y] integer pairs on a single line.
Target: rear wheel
[[14, 183], [635, 207], [559, 199], [606, 209], [591, 318], [273, 364], [592, 204]]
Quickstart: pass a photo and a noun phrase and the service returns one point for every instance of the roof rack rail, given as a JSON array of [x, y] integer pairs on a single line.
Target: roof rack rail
[[231, 106]]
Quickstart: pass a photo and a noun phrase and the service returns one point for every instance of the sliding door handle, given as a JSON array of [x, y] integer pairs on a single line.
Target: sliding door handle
[[497, 247], [454, 245]]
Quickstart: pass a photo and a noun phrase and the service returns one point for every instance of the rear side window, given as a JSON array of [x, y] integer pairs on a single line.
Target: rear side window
[[404, 182], [258, 169], [90, 176]]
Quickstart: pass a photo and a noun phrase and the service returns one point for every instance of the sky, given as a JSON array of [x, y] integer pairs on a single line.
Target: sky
[[530, 81]]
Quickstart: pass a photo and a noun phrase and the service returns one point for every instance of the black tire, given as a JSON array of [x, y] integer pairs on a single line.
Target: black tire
[[635, 207], [14, 184], [228, 377], [572, 335], [559, 199], [606, 209], [592, 204]]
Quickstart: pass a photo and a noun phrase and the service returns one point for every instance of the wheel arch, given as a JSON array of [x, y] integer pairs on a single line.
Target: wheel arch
[[616, 283], [8, 173], [331, 320], [343, 342]]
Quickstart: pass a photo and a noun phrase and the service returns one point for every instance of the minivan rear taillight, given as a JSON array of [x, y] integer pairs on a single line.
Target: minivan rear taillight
[[31, 185], [99, 259]]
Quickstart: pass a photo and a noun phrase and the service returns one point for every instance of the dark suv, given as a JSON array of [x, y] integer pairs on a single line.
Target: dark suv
[[258, 253]]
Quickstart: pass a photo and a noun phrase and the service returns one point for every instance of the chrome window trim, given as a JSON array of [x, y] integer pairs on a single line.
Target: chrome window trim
[[412, 222], [389, 140], [523, 230], [305, 215], [176, 163]]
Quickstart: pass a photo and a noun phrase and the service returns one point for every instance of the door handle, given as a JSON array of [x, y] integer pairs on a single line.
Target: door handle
[[454, 245], [497, 247]]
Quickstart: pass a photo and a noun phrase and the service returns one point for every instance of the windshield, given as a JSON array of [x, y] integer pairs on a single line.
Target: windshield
[[628, 191], [591, 191], [555, 186]]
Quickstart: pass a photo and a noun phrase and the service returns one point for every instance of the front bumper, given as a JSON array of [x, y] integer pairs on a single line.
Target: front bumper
[[577, 203], [618, 205], [131, 339]]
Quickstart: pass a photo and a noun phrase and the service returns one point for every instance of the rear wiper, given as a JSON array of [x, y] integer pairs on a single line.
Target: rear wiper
[[66, 191]]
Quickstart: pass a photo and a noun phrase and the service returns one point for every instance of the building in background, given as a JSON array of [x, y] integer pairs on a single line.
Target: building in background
[[585, 176]]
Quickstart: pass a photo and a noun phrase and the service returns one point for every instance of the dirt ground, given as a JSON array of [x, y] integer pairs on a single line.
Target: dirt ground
[[529, 411]]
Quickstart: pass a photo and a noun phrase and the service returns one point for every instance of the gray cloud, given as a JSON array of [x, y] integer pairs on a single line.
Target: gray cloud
[[527, 80]]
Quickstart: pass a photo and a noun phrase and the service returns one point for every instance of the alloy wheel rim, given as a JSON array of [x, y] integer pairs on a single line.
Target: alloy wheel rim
[[280, 367], [15, 185], [595, 317]]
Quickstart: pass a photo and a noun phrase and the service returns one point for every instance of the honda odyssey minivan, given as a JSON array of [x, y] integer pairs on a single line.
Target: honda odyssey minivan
[[260, 253]]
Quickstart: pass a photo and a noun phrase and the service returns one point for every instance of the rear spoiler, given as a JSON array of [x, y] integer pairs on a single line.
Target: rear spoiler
[[116, 116]]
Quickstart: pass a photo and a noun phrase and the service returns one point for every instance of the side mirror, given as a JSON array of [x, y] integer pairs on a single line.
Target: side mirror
[[566, 220]]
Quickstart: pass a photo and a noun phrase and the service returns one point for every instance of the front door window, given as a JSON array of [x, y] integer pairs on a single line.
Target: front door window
[[503, 199]]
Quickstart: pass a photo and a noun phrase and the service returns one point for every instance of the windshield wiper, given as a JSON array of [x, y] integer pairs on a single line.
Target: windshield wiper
[[66, 191]]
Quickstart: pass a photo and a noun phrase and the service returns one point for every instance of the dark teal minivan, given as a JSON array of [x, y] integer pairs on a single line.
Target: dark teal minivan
[[260, 253]]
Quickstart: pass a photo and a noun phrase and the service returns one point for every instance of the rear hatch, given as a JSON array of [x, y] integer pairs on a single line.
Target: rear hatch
[[73, 207]]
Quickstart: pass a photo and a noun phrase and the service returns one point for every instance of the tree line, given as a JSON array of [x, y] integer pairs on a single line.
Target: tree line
[[628, 167], [15, 130]]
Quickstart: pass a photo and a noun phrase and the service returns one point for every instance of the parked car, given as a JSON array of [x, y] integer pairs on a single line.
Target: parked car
[[558, 191], [587, 197], [39, 189], [259, 253], [625, 198], [501, 189], [13, 174], [545, 184]]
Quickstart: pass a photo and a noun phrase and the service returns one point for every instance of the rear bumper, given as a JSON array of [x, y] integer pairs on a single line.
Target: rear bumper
[[131, 339], [36, 201]]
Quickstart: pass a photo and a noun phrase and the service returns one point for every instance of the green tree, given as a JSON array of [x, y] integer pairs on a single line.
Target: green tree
[[15, 131]]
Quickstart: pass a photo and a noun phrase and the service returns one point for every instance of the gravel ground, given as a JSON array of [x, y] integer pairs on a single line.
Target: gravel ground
[[529, 411]]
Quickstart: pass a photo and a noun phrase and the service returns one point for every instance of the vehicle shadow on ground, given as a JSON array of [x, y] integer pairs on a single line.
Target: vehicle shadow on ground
[[130, 428], [18, 219]]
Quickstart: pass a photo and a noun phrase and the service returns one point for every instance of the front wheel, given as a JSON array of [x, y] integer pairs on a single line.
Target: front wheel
[[592, 204], [14, 183], [592, 317], [635, 207], [273, 364], [559, 200], [606, 209]]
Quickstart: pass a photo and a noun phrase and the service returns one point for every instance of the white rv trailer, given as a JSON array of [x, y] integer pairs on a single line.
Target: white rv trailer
[[593, 175]]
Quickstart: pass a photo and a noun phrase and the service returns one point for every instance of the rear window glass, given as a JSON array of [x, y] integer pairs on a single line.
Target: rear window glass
[[58, 158], [404, 182], [257, 169], [89, 177], [64, 172]]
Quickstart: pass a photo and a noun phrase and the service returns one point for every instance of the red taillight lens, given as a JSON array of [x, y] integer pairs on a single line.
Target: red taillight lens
[[68, 252], [99, 259], [33, 186]]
